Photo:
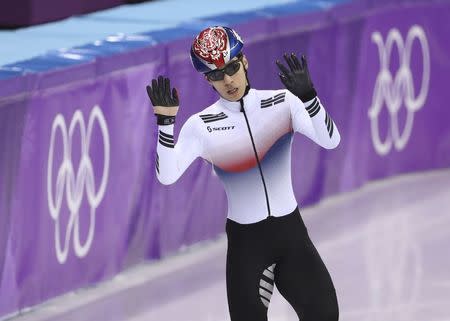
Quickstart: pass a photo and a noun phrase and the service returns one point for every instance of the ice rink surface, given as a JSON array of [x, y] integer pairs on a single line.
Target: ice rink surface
[[386, 246]]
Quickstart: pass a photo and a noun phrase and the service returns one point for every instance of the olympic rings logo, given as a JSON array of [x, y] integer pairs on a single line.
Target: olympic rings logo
[[76, 181], [396, 90]]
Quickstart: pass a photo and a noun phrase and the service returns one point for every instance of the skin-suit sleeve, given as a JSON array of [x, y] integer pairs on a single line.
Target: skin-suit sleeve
[[312, 120], [172, 159]]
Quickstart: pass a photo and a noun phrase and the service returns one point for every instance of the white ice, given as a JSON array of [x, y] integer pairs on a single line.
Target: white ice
[[386, 246]]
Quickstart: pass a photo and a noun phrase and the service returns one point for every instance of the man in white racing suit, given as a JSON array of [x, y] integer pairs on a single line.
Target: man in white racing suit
[[247, 136]]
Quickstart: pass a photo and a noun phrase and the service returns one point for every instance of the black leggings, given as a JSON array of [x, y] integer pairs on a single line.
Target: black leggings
[[277, 250]]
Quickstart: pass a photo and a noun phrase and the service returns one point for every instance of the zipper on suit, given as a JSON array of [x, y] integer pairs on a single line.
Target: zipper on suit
[[256, 155]]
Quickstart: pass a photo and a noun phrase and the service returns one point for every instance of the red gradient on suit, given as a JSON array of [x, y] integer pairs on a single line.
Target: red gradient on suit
[[243, 165], [233, 158]]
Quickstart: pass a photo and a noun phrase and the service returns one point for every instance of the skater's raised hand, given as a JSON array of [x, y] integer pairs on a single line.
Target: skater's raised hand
[[164, 100], [297, 79]]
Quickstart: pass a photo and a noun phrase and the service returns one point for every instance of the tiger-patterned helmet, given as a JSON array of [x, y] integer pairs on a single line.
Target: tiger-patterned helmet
[[214, 47]]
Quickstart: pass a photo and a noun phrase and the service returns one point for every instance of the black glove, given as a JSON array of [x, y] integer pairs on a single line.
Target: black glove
[[297, 79], [162, 98]]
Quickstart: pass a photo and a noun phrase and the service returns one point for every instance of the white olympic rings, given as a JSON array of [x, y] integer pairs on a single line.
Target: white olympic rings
[[395, 90], [76, 181]]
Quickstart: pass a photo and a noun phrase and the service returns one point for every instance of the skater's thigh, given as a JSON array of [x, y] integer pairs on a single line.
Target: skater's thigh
[[250, 280], [304, 281]]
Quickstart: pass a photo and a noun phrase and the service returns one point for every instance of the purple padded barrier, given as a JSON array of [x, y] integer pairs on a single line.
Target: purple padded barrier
[[79, 197]]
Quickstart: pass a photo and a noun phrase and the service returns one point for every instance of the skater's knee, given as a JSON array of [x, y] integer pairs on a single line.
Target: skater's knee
[[328, 312], [321, 311]]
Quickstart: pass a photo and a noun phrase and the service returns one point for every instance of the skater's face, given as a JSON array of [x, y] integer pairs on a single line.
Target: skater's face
[[230, 81]]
